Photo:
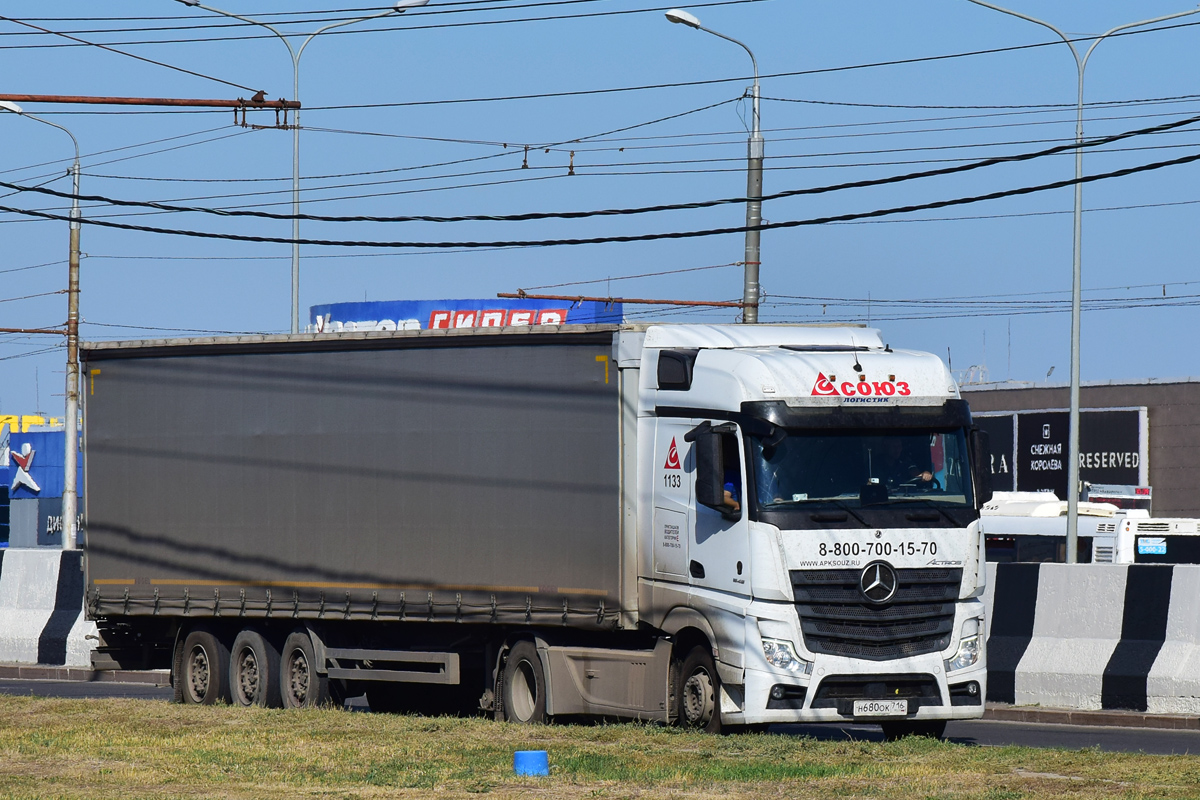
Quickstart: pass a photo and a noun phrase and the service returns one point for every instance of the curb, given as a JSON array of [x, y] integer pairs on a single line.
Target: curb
[[1114, 719], [41, 672]]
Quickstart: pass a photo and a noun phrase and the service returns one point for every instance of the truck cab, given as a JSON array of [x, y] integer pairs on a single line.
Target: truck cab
[[809, 502]]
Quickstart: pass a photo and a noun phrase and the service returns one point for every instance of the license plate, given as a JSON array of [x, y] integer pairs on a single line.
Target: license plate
[[880, 708]]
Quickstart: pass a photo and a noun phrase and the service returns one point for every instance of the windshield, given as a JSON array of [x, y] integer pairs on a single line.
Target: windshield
[[862, 469]]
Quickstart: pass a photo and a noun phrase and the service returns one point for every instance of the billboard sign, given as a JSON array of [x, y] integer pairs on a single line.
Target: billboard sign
[[393, 315], [1113, 446], [1002, 437], [35, 466]]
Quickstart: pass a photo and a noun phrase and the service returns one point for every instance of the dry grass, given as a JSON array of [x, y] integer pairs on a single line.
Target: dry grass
[[134, 748]]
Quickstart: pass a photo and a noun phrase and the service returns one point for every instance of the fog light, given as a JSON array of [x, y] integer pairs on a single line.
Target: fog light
[[972, 688], [782, 654], [777, 692]]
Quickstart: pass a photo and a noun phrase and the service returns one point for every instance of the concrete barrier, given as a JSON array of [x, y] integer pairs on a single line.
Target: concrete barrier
[[1173, 686], [1094, 636], [41, 608]]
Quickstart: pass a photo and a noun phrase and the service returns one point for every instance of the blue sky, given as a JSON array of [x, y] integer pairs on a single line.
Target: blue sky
[[996, 267]]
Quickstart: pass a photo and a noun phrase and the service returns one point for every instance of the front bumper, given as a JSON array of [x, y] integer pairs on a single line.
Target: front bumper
[[829, 692]]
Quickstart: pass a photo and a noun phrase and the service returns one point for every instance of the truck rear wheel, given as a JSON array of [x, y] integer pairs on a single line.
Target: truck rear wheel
[[524, 685], [254, 671], [203, 669], [697, 692], [932, 729], [300, 685]]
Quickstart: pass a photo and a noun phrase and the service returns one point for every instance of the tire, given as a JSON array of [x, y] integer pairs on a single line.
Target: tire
[[254, 671], [698, 692], [932, 729], [203, 669], [300, 685], [524, 686]]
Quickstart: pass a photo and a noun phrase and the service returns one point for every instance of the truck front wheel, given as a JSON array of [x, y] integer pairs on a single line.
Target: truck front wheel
[[300, 685], [203, 669], [697, 692], [524, 685], [254, 671]]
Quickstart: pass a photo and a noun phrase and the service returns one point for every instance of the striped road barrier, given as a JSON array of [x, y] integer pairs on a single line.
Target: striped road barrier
[[41, 608], [1095, 636]]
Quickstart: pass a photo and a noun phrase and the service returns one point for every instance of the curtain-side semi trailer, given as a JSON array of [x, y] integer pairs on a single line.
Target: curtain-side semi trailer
[[709, 525]]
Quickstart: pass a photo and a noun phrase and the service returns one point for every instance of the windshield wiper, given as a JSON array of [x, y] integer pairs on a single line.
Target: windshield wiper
[[932, 505], [847, 509]]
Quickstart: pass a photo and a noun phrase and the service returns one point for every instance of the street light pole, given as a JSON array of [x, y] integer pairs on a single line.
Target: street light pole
[[70, 499], [1077, 261], [754, 177], [399, 8]]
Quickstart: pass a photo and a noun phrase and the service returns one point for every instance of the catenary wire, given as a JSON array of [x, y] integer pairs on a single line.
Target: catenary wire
[[345, 15], [690, 234], [1167, 126], [131, 55], [731, 142], [384, 28]]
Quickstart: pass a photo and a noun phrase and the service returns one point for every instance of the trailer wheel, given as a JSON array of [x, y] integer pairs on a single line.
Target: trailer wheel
[[932, 729], [204, 669], [254, 671], [697, 692], [300, 685], [524, 685]]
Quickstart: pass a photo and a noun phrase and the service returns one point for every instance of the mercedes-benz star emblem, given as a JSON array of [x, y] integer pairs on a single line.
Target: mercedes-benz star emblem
[[878, 582]]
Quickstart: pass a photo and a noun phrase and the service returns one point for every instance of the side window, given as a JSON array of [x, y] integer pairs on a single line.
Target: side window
[[732, 471]]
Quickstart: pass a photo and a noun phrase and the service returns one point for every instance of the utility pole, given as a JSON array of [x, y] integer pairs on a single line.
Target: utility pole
[[70, 500]]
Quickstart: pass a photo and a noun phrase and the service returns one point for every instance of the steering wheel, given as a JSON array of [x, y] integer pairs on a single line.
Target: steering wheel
[[931, 485]]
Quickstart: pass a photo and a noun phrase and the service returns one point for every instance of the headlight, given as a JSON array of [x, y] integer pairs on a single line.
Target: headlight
[[967, 655], [782, 654]]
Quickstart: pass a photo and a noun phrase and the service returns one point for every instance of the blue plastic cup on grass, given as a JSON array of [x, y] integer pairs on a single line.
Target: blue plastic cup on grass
[[531, 762]]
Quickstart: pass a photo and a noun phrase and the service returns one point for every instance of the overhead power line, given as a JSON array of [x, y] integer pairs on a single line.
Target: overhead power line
[[130, 55], [632, 277], [206, 21], [403, 27], [521, 295], [740, 140], [646, 237], [542, 215]]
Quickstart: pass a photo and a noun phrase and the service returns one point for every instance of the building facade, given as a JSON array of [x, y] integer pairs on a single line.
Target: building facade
[[1169, 455]]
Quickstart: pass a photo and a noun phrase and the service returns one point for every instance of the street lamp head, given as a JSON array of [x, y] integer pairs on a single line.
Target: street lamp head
[[683, 17], [13, 107], [404, 5], [189, 2]]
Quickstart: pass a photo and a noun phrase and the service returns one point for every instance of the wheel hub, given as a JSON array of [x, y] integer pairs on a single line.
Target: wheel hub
[[198, 669], [248, 677], [698, 699], [299, 677]]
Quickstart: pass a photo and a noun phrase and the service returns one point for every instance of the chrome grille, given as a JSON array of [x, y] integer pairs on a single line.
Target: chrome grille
[[836, 620]]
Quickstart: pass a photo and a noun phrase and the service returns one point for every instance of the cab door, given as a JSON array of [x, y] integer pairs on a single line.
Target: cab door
[[719, 547]]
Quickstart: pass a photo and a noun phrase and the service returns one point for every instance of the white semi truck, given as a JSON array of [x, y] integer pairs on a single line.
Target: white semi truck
[[711, 525]]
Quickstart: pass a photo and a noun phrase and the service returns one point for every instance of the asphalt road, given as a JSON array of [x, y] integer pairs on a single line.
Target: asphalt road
[[981, 732]]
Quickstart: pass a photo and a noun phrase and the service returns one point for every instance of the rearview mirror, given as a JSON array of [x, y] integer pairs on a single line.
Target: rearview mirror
[[981, 466], [710, 470]]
